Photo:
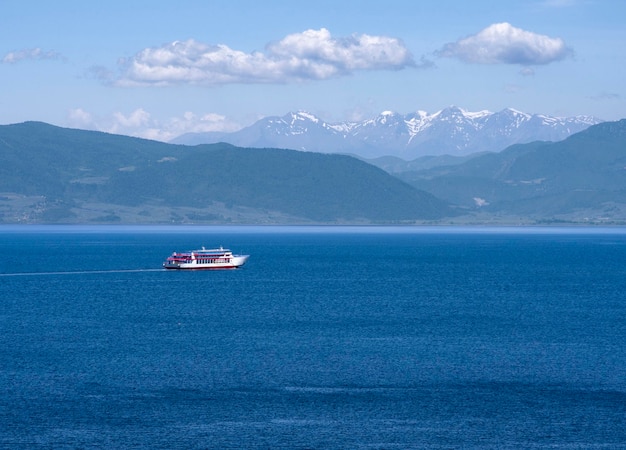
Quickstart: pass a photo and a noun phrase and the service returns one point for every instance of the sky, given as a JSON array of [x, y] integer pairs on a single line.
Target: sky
[[158, 69]]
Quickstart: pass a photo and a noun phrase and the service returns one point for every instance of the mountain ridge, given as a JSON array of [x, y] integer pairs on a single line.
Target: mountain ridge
[[50, 174], [581, 178], [53, 174], [450, 131]]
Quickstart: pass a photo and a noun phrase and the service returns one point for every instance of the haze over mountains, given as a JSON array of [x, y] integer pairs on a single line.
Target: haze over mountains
[[451, 131]]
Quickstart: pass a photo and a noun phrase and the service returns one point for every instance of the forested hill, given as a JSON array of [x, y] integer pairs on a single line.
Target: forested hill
[[580, 179], [58, 175]]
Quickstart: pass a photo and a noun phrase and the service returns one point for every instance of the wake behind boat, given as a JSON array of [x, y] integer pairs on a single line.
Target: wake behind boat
[[217, 258]]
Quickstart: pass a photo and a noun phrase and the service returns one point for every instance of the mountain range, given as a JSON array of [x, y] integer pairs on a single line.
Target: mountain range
[[451, 131], [58, 175], [580, 179], [50, 174]]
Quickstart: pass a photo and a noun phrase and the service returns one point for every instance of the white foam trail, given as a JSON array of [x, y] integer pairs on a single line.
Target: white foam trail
[[76, 272]]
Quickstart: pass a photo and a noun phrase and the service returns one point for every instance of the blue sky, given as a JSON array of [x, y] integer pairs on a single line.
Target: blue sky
[[158, 69]]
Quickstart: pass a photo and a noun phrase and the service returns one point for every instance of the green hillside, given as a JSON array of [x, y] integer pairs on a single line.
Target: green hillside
[[582, 177], [52, 174]]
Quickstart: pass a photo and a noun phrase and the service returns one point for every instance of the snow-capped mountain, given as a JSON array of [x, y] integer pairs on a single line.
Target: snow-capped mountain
[[451, 131]]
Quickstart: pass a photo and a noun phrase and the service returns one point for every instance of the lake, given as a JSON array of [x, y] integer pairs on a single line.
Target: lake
[[329, 337]]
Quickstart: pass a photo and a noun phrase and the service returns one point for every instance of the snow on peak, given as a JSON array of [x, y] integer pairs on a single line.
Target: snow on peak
[[307, 116], [455, 110], [386, 117], [515, 112], [303, 115], [477, 114], [461, 131], [452, 131]]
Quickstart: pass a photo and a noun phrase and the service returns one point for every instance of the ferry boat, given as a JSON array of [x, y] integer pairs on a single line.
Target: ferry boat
[[216, 258]]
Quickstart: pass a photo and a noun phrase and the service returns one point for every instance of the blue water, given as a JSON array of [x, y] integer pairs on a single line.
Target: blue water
[[327, 338]]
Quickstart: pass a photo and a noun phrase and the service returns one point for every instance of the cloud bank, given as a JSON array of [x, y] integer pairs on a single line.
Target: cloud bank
[[502, 43], [140, 123], [29, 53], [310, 55]]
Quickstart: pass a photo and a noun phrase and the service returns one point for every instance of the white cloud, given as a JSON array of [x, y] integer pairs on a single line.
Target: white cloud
[[140, 123], [502, 43], [310, 55], [29, 53], [80, 118], [137, 119]]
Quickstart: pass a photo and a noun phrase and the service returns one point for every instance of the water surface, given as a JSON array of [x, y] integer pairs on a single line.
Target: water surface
[[327, 338]]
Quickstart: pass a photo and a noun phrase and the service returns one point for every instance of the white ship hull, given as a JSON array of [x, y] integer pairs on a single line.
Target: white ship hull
[[204, 259], [235, 262]]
